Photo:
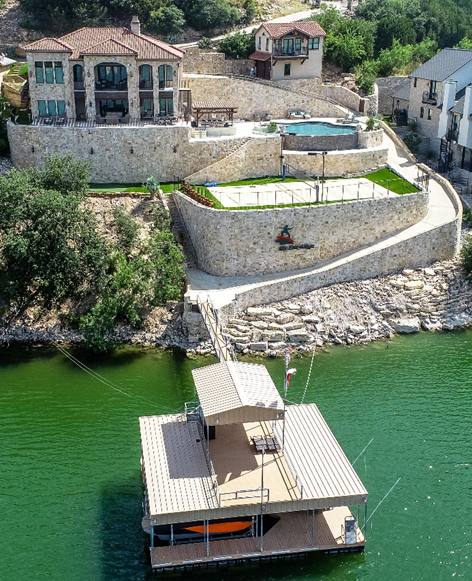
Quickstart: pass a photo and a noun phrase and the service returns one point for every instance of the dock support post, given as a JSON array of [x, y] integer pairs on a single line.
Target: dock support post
[[313, 527], [172, 535], [207, 538], [152, 536], [365, 520]]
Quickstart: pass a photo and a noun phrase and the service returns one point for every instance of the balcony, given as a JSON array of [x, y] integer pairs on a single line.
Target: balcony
[[106, 85], [291, 53], [166, 84], [79, 86], [452, 134], [430, 98]]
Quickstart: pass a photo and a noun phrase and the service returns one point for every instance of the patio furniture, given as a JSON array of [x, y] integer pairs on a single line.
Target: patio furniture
[[298, 114]]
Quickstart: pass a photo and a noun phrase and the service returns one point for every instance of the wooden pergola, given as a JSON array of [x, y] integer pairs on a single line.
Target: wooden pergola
[[202, 108]]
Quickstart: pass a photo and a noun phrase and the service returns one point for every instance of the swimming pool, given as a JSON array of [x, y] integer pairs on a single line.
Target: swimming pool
[[319, 128]]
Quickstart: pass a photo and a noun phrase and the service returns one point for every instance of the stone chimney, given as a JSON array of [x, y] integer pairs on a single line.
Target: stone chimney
[[465, 127], [450, 90], [135, 25]]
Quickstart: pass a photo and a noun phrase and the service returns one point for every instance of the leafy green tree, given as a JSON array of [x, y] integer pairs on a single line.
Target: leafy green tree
[[210, 14], [366, 75], [237, 46], [250, 10], [127, 230], [65, 174], [466, 43], [167, 261], [466, 255], [167, 20]]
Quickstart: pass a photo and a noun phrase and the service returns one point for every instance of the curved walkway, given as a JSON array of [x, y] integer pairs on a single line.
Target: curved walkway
[[374, 260]]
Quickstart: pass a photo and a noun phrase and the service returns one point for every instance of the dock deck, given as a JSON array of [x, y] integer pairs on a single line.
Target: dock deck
[[293, 534]]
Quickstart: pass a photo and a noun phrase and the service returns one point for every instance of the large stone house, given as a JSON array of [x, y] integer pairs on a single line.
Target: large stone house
[[289, 51], [104, 74], [440, 102]]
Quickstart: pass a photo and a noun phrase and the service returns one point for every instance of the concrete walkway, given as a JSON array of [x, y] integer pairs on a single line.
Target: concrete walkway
[[222, 291]]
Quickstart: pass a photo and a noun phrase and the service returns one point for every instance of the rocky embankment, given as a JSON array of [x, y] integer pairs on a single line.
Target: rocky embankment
[[433, 299]]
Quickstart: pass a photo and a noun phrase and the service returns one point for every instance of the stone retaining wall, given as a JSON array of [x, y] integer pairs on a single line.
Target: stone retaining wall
[[338, 163], [253, 98], [241, 243], [214, 63], [321, 142], [387, 87], [258, 157], [121, 154]]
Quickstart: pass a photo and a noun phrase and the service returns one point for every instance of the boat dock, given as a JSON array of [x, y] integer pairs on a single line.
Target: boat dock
[[243, 476]]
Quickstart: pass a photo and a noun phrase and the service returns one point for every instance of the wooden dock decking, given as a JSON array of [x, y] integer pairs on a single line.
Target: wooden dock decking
[[294, 533]]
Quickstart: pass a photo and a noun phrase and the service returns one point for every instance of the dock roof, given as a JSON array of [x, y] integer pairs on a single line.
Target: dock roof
[[184, 485], [232, 392]]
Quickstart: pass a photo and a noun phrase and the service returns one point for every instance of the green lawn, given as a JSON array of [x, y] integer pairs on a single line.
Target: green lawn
[[259, 181], [119, 188], [390, 180]]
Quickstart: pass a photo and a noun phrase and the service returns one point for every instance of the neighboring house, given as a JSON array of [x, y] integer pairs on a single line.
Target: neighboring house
[[289, 51], [5, 62], [440, 102], [100, 74]]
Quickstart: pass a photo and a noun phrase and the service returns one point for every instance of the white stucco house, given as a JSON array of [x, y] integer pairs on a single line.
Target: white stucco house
[[440, 102], [288, 51]]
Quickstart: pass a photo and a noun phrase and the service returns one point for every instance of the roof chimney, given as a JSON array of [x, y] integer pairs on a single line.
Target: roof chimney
[[135, 25]]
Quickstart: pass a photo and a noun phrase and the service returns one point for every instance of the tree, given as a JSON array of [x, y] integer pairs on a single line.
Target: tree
[[466, 43], [210, 14], [167, 20], [238, 46]]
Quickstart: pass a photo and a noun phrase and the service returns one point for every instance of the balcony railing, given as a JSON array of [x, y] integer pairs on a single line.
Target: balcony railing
[[280, 52], [105, 85], [452, 134], [79, 86], [430, 98], [166, 84], [145, 85]]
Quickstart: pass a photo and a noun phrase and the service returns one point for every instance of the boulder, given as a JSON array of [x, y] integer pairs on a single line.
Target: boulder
[[414, 284], [299, 336], [356, 329], [259, 312], [406, 326], [259, 346], [285, 318]]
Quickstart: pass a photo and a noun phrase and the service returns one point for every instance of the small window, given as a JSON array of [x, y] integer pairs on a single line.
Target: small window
[[58, 73], [42, 111], [78, 73], [49, 72], [314, 44], [422, 112], [61, 107], [298, 45], [287, 69], [415, 81], [52, 108], [267, 44], [259, 43], [39, 72], [430, 114]]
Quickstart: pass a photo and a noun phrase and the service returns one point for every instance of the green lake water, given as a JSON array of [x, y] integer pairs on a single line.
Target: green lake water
[[70, 488]]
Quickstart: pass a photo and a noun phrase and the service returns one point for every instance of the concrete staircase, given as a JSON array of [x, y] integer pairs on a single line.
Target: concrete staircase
[[180, 231]]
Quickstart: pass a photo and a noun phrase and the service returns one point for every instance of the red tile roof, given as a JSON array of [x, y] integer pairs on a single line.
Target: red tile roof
[[277, 30], [109, 47], [48, 45], [260, 56], [88, 39]]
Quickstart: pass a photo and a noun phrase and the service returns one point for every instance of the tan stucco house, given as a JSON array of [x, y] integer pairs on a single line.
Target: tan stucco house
[[288, 51], [104, 74]]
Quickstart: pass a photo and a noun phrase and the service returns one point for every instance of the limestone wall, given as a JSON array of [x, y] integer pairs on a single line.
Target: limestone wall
[[235, 243], [214, 63], [368, 139], [388, 86], [253, 98], [338, 163], [340, 94], [122, 153], [320, 142], [256, 158]]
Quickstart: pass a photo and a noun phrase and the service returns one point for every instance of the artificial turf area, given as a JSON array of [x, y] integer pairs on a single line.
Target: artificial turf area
[[388, 179]]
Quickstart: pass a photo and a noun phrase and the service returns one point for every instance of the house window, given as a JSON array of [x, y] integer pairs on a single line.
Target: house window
[[430, 114], [166, 106], [145, 77], [314, 43], [78, 73], [298, 45], [287, 69], [111, 77], [166, 79], [113, 106], [288, 46], [415, 82], [267, 44], [42, 111], [422, 112], [61, 108], [259, 45], [58, 73], [39, 72], [52, 108], [147, 107], [49, 72]]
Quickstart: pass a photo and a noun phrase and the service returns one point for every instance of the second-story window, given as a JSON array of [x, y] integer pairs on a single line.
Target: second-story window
[[259, 45], [166, 80], [298, 45], [145, 77], [314, 43], [49, 72], [267, 44]]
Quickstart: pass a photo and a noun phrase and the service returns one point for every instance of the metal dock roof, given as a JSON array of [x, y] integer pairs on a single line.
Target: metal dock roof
[[232, 392]]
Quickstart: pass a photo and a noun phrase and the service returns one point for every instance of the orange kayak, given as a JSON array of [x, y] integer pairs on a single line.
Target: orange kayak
[[221, 527]]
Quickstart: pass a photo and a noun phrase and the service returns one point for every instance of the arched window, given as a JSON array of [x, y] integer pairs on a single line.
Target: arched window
[[145, 77], [111, 77], [166, 77], [78, 73]]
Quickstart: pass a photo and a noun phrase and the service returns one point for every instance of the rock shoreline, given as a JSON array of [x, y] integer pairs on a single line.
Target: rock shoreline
[[438, 298]]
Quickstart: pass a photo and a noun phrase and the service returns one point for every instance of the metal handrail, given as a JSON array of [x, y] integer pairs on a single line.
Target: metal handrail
[[245, 494]]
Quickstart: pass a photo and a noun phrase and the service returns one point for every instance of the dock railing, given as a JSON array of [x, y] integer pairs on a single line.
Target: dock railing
[[258, 493]]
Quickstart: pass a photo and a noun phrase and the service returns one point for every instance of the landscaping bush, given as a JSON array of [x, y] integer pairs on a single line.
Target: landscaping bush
[[413, 141], [466, 256], [237, 46]]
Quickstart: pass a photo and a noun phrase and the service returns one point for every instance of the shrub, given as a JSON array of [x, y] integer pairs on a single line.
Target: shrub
[[167, 20], [205, 43], [237, 46], [413, 141], [126, 228], [366, 75]]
